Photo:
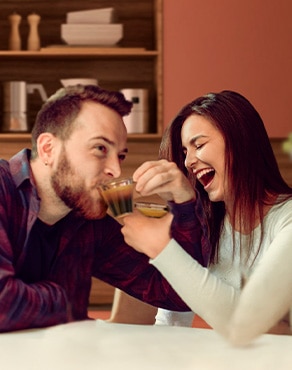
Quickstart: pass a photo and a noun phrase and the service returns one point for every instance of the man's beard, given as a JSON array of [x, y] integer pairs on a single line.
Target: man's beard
[[73, 193]]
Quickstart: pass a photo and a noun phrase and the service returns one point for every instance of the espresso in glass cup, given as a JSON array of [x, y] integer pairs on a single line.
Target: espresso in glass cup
[[152, 209], [118, 195]]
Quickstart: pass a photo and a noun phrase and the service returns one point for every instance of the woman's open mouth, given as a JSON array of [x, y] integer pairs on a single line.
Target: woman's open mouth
[[206, 176]]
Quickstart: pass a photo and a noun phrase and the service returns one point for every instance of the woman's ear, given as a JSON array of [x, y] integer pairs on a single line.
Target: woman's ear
[[45, 147]]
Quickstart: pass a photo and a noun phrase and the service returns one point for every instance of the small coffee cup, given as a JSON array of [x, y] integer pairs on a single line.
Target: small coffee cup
[[152, 209], [118, 195]]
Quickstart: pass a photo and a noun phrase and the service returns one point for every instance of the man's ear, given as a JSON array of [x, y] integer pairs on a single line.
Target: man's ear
[[45, 147]]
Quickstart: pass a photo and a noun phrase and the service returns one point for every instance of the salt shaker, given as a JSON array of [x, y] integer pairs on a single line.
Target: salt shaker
[[14, 42], [33, 41]]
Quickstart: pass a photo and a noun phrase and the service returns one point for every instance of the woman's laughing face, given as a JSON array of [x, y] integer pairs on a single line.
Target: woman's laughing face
[[204, 148]]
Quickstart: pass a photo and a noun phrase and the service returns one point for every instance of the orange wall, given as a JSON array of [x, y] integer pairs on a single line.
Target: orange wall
[[242, 45]]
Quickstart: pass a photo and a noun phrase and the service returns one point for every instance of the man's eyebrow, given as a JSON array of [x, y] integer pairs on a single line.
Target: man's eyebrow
[[104, 139], [110, 142]]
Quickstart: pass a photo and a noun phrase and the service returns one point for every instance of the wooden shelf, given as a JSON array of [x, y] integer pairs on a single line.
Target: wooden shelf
[[6, 137], [26, 136], [135, 62], [64, 51]]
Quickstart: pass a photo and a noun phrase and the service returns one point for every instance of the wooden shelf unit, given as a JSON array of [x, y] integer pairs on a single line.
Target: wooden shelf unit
[[136, 62]]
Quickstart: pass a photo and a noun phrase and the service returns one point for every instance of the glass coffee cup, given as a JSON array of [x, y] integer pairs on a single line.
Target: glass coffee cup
[[118, 195], [152, 209]]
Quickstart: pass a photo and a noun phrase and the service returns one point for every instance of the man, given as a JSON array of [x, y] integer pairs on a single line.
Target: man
[[54, 231]]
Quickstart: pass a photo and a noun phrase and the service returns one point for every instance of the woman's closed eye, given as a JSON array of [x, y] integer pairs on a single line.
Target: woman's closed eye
[[196, 146], [199, 146]]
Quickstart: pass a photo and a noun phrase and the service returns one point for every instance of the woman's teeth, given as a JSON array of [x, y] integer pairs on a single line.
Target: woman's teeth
[[206, 175]]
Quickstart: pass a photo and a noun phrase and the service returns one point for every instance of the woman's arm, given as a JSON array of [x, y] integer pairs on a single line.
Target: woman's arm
[[204, 293], [266, 298], [240, 317]]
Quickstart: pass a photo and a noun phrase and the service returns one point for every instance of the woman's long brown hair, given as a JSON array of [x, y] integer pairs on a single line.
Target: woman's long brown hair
[[251, 165]]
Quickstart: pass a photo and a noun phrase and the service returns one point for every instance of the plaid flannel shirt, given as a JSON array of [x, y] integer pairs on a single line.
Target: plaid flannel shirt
[[87, 248]]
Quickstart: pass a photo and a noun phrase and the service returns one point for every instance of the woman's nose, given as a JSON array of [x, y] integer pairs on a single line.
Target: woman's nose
[[190, 159]]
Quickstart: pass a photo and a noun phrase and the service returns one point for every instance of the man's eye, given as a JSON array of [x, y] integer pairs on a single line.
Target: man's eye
[[122, 157], [101, 148]]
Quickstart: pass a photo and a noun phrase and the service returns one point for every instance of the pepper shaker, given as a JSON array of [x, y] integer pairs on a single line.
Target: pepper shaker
[[33, 41], [14, 42]]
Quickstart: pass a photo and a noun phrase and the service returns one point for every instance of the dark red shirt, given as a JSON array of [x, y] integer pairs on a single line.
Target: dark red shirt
[[87, 248]]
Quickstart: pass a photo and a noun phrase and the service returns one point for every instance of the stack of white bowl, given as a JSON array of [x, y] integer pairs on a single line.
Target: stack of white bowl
[[95, 27]]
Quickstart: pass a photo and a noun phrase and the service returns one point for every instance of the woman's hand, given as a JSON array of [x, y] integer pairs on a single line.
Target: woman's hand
[[165, 179], [145, 234]]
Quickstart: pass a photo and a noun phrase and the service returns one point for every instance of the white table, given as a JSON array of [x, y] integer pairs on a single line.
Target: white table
[[101, 346]]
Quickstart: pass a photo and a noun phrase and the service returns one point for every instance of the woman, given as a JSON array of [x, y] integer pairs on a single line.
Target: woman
[[219, 141]]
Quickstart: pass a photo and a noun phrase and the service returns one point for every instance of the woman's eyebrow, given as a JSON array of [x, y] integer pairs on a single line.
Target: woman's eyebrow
[[195, 138]]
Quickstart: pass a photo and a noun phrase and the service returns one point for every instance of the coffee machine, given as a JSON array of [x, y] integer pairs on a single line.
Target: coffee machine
[[15, 104], [138, 120]]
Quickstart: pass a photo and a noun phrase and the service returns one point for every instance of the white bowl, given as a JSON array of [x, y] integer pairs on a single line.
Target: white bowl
[[92, 34], [100, 16], [75, 81]]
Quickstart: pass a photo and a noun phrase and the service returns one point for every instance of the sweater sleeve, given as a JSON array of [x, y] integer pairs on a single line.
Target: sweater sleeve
[[265, 299], [203, 292]]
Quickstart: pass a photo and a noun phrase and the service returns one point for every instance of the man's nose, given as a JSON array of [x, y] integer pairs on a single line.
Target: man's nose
[[113, 167]]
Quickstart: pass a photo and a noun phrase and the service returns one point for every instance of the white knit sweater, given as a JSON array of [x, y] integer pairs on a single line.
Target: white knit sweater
[[214, 292]]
